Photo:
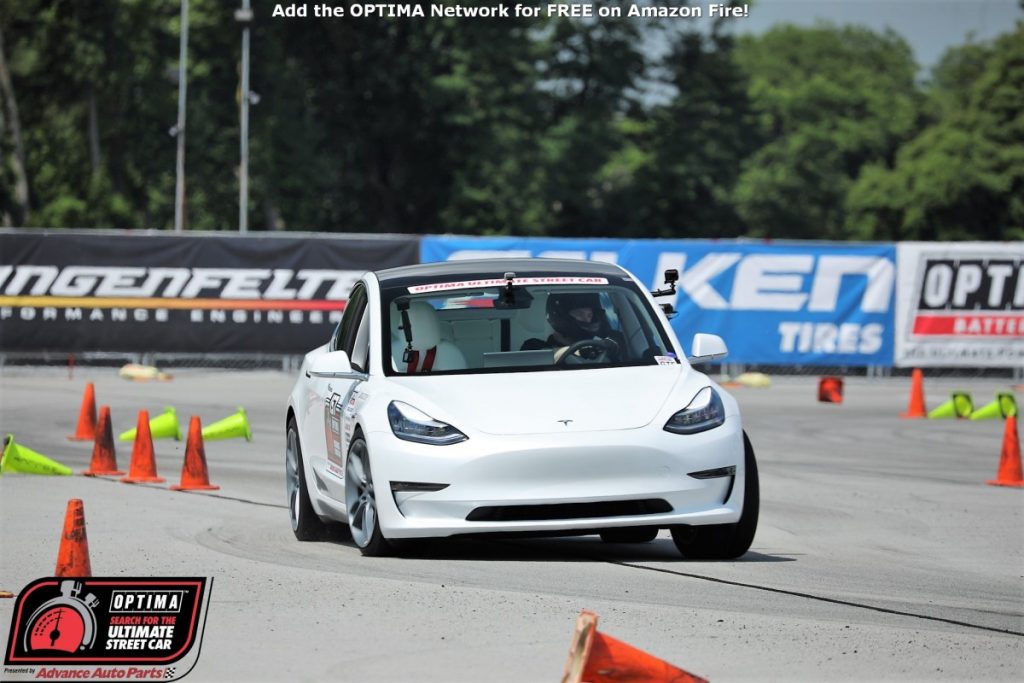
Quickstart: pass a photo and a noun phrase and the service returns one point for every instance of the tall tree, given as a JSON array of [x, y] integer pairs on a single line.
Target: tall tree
[[675, 174], [419, 124], [88, 77], [828, 100], [15, 207], [962, 177], [591, 83]]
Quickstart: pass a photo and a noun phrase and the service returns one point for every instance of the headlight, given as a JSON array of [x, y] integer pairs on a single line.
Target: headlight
[[704, 412], [411, 424]]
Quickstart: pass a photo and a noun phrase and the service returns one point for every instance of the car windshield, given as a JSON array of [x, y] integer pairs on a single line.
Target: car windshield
[[529, 323]]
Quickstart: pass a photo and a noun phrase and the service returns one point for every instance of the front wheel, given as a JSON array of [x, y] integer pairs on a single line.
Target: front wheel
[[306, 525], [361, 502], [725, 541]]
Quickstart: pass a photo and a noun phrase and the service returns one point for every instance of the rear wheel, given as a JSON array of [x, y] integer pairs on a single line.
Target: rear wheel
[[630, 534], [305, 523], [725, 541], [361, 502]]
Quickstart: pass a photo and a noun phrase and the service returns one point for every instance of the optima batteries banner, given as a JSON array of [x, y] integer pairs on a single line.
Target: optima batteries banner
[[775, 303], [960, 304], [90, 290]]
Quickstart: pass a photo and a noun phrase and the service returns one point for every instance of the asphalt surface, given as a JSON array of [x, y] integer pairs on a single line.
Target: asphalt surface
[[881, 552]]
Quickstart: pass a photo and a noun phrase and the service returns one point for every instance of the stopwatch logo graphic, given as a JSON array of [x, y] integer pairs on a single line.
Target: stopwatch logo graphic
[[66, 623]]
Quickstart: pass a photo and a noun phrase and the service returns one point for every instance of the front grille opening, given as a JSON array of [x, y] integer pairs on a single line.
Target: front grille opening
[[533, 513]]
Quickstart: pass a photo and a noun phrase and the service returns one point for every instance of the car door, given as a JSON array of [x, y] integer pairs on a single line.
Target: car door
[[331, 420]]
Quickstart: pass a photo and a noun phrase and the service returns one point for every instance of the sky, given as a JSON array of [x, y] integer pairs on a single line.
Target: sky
[[929, 26]]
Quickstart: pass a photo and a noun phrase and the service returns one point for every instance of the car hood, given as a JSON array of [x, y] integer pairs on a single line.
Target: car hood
[[538, 402]]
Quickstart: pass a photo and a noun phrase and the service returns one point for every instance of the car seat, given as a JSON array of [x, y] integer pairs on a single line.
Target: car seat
[[428, 352], [531, 323]]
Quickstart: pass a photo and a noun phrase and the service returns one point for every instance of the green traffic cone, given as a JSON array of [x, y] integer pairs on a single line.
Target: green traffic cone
[[20, 459], [1001, 408], [958, 405], [163, 426], [230, 427]]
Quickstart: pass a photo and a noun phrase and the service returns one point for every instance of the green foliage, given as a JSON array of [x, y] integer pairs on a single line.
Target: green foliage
[[513, 126], [692, 148], [962, 176], [828, 101], [91, 94]]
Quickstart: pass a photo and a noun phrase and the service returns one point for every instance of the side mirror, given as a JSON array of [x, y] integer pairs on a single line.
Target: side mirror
[[706, 348], [332, 364]]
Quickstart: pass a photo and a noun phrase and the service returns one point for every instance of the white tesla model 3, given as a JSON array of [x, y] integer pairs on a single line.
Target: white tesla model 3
[[528, 396]]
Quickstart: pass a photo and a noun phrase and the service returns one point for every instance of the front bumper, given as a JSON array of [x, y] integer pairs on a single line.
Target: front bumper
[[558, 482]]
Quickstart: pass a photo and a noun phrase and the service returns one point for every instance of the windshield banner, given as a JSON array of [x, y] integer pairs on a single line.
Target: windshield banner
[[70, 291], [773, 303], [960, 305]]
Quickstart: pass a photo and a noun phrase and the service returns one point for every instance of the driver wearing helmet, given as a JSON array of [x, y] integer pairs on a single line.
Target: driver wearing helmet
[[576, 317]]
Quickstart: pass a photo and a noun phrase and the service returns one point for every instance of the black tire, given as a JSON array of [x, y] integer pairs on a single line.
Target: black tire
[[306, 525], [630, 534], [361, 502], [726, 541]]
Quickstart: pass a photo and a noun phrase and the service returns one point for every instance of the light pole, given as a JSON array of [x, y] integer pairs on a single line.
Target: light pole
[[179, 128], [244, 17]]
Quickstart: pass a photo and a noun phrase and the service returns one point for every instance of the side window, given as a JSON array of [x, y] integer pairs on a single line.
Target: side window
[[345, 336]]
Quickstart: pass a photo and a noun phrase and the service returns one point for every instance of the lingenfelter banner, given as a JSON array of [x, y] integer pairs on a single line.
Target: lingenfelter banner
[[197, 293], [960, 304]]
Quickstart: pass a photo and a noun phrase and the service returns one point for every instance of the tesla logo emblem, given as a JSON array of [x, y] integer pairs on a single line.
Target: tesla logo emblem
[[565, 422]]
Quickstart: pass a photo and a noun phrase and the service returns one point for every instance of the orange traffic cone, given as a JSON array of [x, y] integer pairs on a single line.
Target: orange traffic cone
[[916, 406], [86, 430], [194, 476], [1010, 473], [142, 469], [73, 555], [597, 658], [104, 458], [830, 390]]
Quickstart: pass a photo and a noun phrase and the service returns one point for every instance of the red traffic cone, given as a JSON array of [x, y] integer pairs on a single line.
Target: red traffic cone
[[104, 458], [830, 390], [916, 406], [142, 469], [194, 476], [73, 555], [597, 658], [1010, 473], [86, 430]]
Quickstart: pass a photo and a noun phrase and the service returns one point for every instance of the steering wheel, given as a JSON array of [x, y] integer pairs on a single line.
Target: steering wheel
[[589, 350]]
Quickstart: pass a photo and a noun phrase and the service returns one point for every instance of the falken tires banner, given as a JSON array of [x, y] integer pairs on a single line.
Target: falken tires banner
[[208, 293], [960, 304], [783, 303]]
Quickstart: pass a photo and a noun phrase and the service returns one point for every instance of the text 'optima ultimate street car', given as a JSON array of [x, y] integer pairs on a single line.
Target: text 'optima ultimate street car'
[[516, 395]]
